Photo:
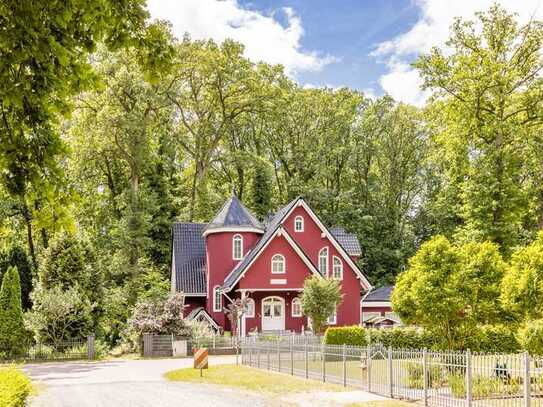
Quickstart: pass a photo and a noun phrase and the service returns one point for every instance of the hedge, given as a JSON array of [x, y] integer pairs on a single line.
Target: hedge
[[346, 335], [402, 338], [15, 387], [493, 338]]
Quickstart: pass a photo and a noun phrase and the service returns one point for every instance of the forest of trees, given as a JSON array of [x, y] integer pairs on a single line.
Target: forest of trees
[[107, 137]]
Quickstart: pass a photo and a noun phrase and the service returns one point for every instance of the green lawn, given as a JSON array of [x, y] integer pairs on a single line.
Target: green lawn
[[251, 379]]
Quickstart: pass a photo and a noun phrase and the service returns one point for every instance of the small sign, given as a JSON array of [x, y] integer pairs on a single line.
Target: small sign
[[200, 359]]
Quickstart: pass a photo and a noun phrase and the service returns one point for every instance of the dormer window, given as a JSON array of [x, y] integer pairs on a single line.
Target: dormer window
[[237, 247], [299, 224], [323, 261], [278, 264]]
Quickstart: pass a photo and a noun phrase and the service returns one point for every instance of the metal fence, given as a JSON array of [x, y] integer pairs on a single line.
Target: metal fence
[[64, 350], [451, 379], [162, 345]]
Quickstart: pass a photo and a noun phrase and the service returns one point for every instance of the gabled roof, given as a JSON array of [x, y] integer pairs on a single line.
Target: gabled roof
[[233, 216], [381, 294], [349, 241], [199, 313], [189, 256], [272, 226]]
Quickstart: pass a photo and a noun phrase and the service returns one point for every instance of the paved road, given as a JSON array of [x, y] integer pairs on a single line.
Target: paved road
[[130, 383]]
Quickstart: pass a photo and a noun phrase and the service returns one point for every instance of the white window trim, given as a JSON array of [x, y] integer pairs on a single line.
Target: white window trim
[[296, 314], [252, 314], [234, 247], [325, 273], [301, 218], [334, 258], [332, 319], [217, 306], [284, 264]]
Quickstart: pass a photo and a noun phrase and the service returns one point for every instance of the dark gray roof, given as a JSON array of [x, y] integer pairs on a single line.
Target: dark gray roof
[[234, 214], [190, 258], [379, 294], [348, 241], [271, 227]]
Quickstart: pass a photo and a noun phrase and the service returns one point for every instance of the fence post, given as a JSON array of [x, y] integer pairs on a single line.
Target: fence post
[[258, 357], [468, 379], [291, 358], [390, 384], [214, 342], [90, 347], [278, 357], [344, 366], [251, 356], [306, 361], [527, 380], [368, 366], [425, 375], [323, 357], [268, 354]]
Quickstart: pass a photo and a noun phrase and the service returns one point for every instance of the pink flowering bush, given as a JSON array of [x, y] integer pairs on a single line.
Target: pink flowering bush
[[160, 316]]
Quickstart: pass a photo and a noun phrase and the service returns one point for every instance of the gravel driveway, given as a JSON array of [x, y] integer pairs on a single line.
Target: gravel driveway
[[129, 383]]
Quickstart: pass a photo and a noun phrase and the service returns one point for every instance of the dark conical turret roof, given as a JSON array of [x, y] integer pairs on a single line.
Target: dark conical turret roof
[[235, 216]]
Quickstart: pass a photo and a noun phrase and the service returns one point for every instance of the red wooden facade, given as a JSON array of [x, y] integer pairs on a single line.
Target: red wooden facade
[[276, 259]]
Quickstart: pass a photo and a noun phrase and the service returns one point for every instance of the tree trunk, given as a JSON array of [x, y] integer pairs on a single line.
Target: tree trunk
[[29, 233]]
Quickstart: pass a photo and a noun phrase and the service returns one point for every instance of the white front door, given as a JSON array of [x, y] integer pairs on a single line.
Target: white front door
[[273, 314]]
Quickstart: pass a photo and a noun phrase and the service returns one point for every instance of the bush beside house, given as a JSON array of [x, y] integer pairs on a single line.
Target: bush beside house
[[346, 335]]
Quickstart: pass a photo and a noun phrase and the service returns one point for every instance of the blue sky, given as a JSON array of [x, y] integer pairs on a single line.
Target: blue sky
[[348, 30], [367, 45]]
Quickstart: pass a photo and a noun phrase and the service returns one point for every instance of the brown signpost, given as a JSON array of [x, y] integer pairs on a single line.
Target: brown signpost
[[200, 359]]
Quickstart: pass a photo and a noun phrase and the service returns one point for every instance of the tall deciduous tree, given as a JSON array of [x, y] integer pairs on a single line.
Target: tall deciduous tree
[[490, 107]]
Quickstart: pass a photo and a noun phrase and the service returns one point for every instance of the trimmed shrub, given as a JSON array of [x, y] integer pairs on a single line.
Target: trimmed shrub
[[402, 338], [13, 337], [493, 338], [15, 387], [346, 335], [531, 337]]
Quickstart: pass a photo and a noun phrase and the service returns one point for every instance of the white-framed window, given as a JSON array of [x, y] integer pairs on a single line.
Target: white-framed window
[[332, 319], [217, 299], [323, 261], [237, 247], [299, 224], [250, 308], [278, 264], [296, 307], [337, 269]]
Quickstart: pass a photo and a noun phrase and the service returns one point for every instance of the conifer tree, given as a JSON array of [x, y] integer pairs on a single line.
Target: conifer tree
[[12, 333]]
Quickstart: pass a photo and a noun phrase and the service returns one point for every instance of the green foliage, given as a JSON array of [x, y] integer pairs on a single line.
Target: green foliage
[[15, 256], [13, 337], [15, 387], [159, 316], [530, 337], [522, 285], [485, 114], [449, 290], [320, 299], [403, 338], [493, 338], [345, 335], [415, 376], [58, 315]]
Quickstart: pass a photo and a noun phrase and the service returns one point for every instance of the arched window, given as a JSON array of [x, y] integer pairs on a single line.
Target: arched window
[[250, 308], [278, 264], [217, 299], [237, 247], [323, 261], [337, 269], [298, 224], [296, 307]]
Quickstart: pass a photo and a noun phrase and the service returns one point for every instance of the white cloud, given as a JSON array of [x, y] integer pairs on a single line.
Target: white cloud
[[401, 81], [264, 37]]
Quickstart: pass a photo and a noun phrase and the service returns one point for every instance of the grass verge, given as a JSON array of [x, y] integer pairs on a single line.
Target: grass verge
[[251, 379]]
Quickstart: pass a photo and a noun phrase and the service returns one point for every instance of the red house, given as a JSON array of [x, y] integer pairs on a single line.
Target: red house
[[237, 256]]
